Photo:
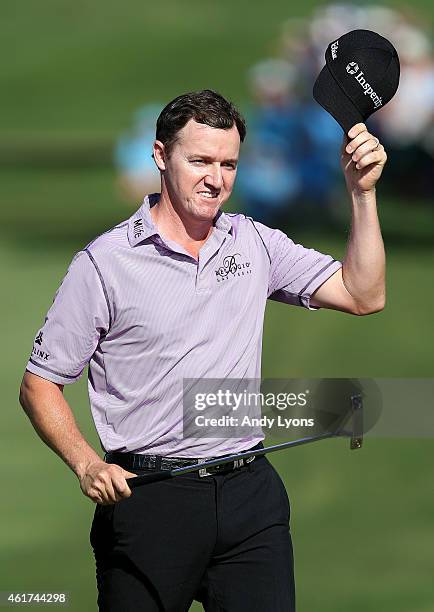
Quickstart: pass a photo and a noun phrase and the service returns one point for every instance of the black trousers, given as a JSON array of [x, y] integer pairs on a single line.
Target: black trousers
[[223, 540]]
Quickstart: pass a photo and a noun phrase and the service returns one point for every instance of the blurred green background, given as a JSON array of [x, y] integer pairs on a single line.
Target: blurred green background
[[72, 73]]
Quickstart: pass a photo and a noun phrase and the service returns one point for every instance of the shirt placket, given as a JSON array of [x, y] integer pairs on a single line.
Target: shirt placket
[[204, 273]]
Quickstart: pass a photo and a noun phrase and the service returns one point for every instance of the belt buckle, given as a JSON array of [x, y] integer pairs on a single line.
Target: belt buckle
[[203, 471], [214, 469], [236, 464]]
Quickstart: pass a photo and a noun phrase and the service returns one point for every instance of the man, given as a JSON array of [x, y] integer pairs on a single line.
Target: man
[[156, 300]]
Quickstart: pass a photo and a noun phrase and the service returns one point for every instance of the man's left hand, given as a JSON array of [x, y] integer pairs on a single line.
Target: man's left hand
[[363, 158]]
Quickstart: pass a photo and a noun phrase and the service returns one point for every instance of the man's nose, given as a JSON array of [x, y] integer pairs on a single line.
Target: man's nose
[[214, 177]]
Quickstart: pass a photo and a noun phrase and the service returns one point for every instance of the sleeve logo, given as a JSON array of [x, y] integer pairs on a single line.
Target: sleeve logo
[[38, 352]]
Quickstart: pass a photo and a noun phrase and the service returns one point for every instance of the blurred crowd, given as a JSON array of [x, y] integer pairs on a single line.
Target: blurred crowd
[[290, 160]]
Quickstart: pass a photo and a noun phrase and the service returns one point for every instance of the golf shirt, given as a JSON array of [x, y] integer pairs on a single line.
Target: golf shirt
[[144, 315]]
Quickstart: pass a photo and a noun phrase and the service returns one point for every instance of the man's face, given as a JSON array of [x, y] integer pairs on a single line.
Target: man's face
[[200, 172]]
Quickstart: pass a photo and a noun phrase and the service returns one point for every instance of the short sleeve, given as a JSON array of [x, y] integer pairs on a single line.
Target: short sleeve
[[78, 317], [296, 272]]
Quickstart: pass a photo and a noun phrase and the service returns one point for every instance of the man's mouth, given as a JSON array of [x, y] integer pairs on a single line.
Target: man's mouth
[[208, 194]]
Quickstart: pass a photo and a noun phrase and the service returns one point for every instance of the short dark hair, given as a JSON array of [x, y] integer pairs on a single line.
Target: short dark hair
[[206, 106]]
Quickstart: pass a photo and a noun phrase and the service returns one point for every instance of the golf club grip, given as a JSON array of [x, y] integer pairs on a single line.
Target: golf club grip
[[147, 478]]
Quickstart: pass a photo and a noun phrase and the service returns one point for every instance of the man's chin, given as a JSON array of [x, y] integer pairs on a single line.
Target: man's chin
[[207, 211]]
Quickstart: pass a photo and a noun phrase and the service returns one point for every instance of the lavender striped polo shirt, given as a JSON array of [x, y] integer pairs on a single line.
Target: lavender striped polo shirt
[[144, 314]]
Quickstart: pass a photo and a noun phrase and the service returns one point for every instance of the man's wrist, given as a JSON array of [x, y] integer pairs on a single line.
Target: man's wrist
[[363, 197], [81, 467]]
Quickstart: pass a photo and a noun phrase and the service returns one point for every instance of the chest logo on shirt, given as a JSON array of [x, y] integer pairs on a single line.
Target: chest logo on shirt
[[232, 266]]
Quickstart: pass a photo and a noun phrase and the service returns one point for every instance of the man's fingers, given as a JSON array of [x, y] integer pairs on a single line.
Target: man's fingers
[[128, 474], [111, 495], [375, 157], [97, 499], [120, 484], [359, 140], [367, 147], [106, 483], [103, 486], [116, 487], [356, 130]]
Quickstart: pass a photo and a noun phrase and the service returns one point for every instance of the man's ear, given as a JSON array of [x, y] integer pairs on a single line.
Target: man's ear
[[159, 155]]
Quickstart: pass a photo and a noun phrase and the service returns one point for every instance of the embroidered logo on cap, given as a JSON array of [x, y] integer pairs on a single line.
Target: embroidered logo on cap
[[334, 49], [352, 68]]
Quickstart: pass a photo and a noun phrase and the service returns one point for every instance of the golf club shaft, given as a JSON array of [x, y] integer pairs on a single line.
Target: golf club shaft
[[165, 474]]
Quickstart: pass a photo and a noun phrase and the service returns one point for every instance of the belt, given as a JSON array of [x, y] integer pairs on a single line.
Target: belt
[[137, 461]]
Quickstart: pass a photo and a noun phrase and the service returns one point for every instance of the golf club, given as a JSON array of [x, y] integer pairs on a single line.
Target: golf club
[[356, 435]]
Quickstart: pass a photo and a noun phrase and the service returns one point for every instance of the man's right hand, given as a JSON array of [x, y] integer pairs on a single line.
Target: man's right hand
[[105, 483]]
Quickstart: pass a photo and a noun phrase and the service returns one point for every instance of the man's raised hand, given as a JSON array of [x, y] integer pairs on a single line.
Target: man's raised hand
[[363, 159]]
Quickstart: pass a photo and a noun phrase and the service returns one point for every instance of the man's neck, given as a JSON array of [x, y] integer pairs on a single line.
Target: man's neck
[[189, 233]]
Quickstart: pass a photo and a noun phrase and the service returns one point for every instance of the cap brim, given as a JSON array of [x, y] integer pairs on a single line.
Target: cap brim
[[327, 92]]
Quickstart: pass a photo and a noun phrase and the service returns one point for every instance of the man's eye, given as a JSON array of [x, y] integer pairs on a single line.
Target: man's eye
[[197, 161]]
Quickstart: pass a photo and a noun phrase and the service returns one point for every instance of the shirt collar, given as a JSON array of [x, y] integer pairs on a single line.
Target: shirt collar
[[141, 226], [223, 222]]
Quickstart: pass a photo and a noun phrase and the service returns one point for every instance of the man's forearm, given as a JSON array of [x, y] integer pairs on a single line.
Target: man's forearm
[[364, 264], [54, 422]]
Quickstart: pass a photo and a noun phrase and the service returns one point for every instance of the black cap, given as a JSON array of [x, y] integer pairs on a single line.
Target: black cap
[[360, 76]]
